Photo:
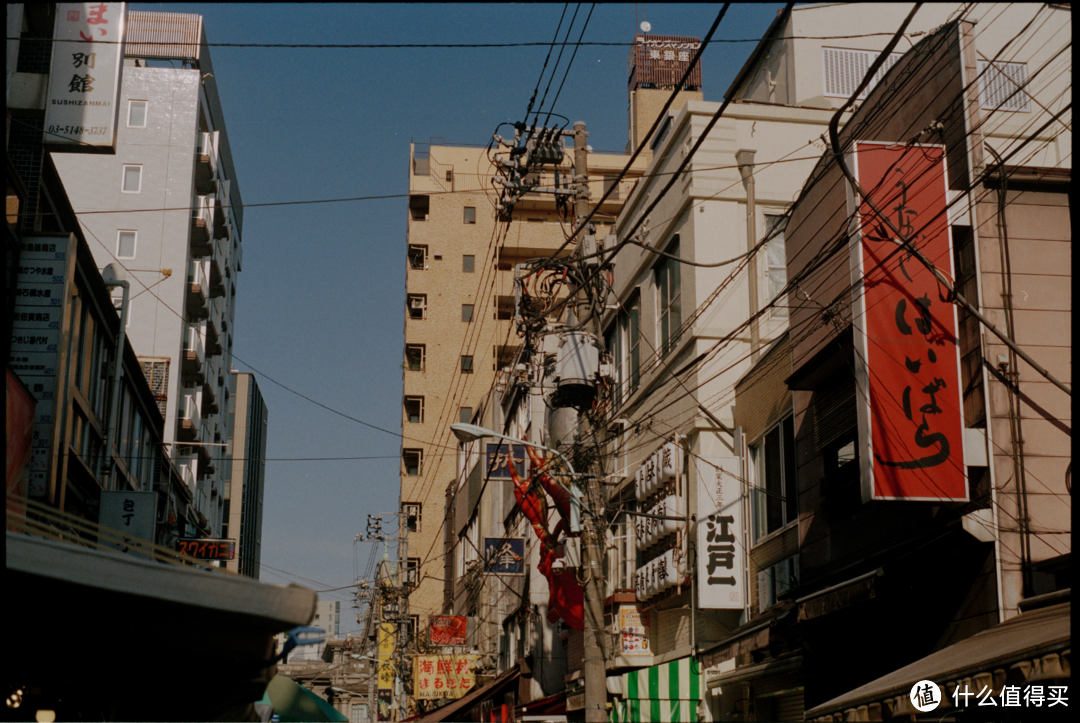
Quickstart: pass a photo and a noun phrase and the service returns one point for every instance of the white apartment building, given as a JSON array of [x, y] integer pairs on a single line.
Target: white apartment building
[[166, 207]]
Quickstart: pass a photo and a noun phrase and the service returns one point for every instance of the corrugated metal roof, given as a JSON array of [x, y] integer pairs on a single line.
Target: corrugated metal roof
[[163, 35]]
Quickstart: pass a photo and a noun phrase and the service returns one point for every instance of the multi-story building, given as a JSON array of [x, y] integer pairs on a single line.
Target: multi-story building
[[458, 323], [245, 473], [166, 207]]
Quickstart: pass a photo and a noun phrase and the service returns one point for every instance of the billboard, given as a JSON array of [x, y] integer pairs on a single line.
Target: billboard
[[84, 82], [443, 676], [207, 548], [908, 359], [387, 645], [634, 630], [498, 458], [127, 520], [448, 629]]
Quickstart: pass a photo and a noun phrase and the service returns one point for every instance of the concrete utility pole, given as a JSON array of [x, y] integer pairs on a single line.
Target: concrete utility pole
[[591, 549], [403, 612]]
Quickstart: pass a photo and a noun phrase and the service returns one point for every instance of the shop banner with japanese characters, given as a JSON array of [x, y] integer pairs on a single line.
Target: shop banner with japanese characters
[[498, 458], [504, 555], [84, 83], [721, 537], [127, 520], [448, 629], [911, 410], [443, 676], [45, 273], [387, 645]]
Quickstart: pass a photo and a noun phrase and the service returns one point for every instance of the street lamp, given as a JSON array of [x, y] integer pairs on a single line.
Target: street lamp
[[472, 432]]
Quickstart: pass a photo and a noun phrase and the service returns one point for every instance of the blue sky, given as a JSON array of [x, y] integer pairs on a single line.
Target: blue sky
[[320, 299]]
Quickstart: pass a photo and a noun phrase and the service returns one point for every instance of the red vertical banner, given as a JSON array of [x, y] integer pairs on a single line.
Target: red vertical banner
[[907, 329]]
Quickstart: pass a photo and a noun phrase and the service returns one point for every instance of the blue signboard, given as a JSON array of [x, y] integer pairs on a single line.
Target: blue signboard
[[504, 555], [499, 456]]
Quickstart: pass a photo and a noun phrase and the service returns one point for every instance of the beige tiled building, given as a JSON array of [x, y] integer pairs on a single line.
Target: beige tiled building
[[458, 319]]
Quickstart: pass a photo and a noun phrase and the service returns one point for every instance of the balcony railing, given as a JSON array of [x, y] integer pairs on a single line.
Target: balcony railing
[[197, 307], [206, 163], [202, 220]]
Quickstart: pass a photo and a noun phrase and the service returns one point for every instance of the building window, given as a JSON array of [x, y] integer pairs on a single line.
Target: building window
[[417, 257], [412, 512], [776, 262], [1000, 86], [468, 264], [414, 357], [125, 244], [412, 573], [450, 175], [413, 460], [136, 114], [465, 415], [414, 410], [470, 214], [624, 343], [668, 299], [466, 364], [417, 306], [466, 312], [132, 179], [774, 489]]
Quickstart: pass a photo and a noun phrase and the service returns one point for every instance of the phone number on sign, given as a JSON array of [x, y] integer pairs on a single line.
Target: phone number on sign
[[79, 130]]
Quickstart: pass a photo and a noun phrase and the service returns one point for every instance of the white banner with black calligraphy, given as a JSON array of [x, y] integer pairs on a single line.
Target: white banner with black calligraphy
[[721, 540]]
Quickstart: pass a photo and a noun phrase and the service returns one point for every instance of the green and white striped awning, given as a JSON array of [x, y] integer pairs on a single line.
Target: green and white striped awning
[[666, 693]]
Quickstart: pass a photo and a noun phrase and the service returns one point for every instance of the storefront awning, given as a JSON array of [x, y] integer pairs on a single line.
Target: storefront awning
[[1033, 644], [459, 709], [668, 693]]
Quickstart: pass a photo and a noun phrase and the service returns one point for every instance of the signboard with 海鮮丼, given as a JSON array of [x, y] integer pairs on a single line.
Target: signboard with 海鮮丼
[[443, 676], [908, 360]]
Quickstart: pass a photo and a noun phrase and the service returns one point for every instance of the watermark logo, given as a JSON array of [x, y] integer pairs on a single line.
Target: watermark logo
[[925, 696]]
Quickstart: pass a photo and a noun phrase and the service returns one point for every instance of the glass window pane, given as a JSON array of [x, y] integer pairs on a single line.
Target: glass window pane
[[137, 114], [466, 312], [468, 264], [774, 482], [791, 486], [132, 178], [125, 245]]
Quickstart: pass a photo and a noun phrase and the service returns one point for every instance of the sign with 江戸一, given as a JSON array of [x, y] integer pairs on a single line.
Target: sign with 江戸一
[[911, 418], [46, 268], [721, 543], [504, 555], [84, 81]]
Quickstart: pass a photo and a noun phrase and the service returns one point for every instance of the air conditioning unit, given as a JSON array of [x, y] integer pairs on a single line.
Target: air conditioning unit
[[416, 303]]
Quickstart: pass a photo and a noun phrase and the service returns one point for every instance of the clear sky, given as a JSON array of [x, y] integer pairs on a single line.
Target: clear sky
[[320, 298]]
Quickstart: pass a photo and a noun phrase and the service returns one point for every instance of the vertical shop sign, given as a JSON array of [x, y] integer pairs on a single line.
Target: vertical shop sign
[[911, 415], [721, 539], [84, 80]]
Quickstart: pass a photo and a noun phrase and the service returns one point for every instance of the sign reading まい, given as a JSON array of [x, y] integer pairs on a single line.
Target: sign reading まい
[[84, 81]]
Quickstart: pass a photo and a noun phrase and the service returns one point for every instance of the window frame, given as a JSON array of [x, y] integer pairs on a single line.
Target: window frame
[[468, 311], [667, 274], [468, 263], [134, 242], [417, 252], [624, 343], [410, 308], [422, 348], [123, 177], [131, 105], [758, 456], [419, 402], [419, 456], [466, 215], [780, 310], [467, 368]]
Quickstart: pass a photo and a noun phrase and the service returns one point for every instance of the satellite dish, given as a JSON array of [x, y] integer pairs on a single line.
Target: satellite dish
[[645, 26]]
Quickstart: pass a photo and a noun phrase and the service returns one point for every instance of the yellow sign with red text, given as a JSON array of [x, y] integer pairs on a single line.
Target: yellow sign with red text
[[443, 676]]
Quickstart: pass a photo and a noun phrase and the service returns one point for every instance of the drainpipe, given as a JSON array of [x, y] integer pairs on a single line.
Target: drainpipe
[[114, 275], [745, 159]]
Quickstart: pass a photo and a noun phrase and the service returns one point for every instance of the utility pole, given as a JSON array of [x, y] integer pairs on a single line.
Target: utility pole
[[403, 613], [591, 549]]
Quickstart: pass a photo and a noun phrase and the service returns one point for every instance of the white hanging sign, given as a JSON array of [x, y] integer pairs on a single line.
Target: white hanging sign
[[721, 541]]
